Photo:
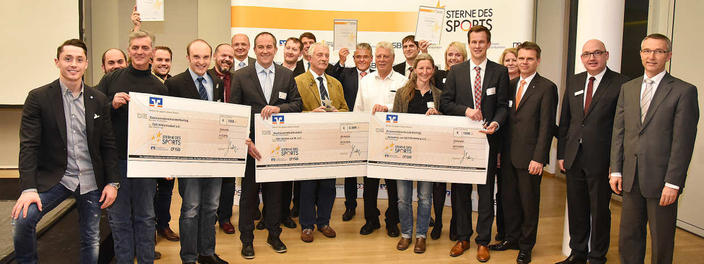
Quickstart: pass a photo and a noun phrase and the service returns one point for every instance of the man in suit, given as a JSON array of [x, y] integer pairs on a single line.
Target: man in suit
[[240, 43], [269, 89], [320, 93], [583, 148], [528, 136], [67, 148], [292, 52], [655, 127], [350, 77], [113, 59], [477, 89], [410, 51], [200, 196]]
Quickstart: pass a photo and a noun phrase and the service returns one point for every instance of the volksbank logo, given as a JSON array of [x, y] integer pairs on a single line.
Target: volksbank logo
[[391, 118], [156, 102], [277, 120]]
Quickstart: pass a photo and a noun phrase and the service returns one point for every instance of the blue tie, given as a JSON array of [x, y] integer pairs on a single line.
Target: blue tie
[[201, 89], [323, 93]]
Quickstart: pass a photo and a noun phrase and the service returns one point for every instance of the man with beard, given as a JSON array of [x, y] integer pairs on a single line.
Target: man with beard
[[161, 64]]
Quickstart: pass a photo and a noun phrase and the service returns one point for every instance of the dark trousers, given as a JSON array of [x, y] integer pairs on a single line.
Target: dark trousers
[[521, 199], [439, 193], [227, 198], [371, 192], [286, 195], [162, 202], [462, 194], [351, 193], [500, 230], [636, 213], [317, 199], [588, 196], [271, 193]]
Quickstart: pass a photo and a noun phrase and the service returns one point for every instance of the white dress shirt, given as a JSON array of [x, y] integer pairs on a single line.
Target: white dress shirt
[[597, 81], [241, 64], [525, 88], [375, 90], [317, 84]]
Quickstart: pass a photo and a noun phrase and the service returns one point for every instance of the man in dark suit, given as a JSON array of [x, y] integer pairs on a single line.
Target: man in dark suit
[[410, 51], [477, 89], [528, 136], [655, 127], [292, 52], [269, 89], [583, 148], [350, 77], [67, 148], [240, 43], [200, 196]]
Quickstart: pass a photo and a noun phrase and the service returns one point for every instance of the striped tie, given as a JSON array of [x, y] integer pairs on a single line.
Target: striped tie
[[645, 98], [201, 89], [478, 88]]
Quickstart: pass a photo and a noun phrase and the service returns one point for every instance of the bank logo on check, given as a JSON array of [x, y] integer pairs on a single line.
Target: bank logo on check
[[277, 119], [156, 101], [391, 118]]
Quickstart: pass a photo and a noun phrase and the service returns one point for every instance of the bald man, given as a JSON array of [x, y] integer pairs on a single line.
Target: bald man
[[240, 43], [583, 147], [113, 59]]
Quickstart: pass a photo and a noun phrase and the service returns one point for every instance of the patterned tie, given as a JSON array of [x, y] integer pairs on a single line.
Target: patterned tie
[[519, 95], [478, 88], [645, 98], [201, 89], [241, 65], [363, 74], [323, 92], [590, 90]]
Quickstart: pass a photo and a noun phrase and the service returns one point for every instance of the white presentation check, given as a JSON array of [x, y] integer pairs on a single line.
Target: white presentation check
[[179, 137], [427, 148], [305, 146]]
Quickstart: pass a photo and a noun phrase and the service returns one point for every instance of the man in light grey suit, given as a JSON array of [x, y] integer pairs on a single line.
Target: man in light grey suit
[[653, 138]]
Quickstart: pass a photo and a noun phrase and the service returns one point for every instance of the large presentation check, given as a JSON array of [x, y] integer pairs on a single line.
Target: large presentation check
[[305, 146], [178, 137], [427, 148]]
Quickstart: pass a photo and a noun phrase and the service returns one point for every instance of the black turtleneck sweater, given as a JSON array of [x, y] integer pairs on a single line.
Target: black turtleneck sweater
[[127, 80]]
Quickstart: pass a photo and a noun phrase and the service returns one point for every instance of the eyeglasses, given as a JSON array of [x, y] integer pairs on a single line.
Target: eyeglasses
[[596, 53], [656, 52]]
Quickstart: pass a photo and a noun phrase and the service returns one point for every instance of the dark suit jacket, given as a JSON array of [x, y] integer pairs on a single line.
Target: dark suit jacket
[[246, 90], [530, 128], [659, 149], [43, 157], [593, 129], [300, 69], [400, 68], [457, 94], [349, 80], [440, 77], [212, 72], [182, 85], [250, 61]]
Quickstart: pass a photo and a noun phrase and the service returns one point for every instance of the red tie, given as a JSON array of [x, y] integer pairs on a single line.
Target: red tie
[[363, 73], [478, 88], [590, 90]]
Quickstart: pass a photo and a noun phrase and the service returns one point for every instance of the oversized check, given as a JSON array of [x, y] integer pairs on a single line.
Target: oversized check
[[427, 148], [179, 137], [304, 146]]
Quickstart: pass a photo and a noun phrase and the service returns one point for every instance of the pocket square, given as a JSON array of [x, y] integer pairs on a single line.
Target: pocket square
[[96, 116]]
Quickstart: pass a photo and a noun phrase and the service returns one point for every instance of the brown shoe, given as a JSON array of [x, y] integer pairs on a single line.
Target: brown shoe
[[420, 245], [327, 231], [227, 227], [403, 243], [483, 253], [168, 234], [307, 235], [459, 248]]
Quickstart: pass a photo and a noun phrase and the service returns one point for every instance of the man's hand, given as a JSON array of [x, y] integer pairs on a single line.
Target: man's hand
[[319, 109], [269, 110], [669, 196], [108, 196], [252, 149], [120, 99], [22, 205], [379, 108], [423, 46], [432, 111], [474, 114], [615, 183], [535, 168], [561, 164], [490, 129], [136, 19], [343, 56]]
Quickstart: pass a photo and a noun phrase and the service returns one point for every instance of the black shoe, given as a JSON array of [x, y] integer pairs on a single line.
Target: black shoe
[[294, 211], [349, 213], [369, 227], [503, 245], [392, 230], [523, 257], [276, 244], [573, 259], [437, 231], [214, 259], [288, 222], [247, 250], [260, 225], [453, 236], [432, 222], [257, 214]]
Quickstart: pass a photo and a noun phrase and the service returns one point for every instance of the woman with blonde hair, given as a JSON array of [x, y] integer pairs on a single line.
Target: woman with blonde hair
[[509, 58]]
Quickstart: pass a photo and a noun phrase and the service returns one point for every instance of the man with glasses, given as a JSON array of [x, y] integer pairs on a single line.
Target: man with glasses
[[583, 146]]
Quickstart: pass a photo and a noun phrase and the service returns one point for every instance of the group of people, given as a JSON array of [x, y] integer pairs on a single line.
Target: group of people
[[74, 143]]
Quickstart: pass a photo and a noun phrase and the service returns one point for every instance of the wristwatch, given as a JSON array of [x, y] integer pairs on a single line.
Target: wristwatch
[[115, 184]]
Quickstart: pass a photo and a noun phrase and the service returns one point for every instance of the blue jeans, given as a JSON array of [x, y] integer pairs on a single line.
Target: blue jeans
[[162, 202], [132, 218], [200, 199], [405, 207], [25, 235]]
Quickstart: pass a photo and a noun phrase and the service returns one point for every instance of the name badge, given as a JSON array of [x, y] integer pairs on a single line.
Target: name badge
[[491, 91], [282, 95], [431, 104], [578, 92], [510, 103]]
